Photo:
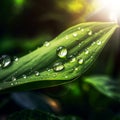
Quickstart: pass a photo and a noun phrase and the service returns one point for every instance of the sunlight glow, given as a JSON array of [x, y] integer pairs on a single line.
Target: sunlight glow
[[113, 6]]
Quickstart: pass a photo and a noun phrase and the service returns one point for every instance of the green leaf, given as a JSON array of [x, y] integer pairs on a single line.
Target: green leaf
[[32, 115], [59, 61], [38, 115], [105, 85]]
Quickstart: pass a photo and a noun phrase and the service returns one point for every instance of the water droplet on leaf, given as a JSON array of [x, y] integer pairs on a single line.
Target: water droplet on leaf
[[90, 32], [37, 73], [79, 44], [75, 34], [46, 44], [61, 52], [16, 58], [24, 76], [11, 84], [66, 76], [80, 61], [82, 30], [76, 69], [91, 57], [86, 51], [72, 58], [13, 78], [99, 42], [58, 67], [5, 61]]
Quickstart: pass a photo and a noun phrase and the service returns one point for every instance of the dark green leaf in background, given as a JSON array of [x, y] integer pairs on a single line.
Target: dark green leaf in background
[[60, 60], [38, 115], [105, 85]]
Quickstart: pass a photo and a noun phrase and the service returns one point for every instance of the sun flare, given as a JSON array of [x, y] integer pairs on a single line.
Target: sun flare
[[113, 6]]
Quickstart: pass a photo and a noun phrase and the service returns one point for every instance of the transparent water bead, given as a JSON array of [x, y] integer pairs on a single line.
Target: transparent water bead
[[16, 58], [75, 34], [13, 78], [66, 76], [79, 44], [61, 52], [58, 67], [76, 69], [82, 30], [5, 61], [11, 84], [80, 61], [46, 44], [99, 42], [72, 58], [90, 33], [91, 57], [37, 73], [86, 51], [48, 69], [24, 76]]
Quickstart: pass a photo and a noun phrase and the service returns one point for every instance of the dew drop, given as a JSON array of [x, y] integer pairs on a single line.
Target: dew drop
[[13, 78], [5, 61], [72, 58], [91, 57], [61, 52], [24, 76], [16, 58], [46, 44], [80, 61], [86, 51], [76, 69], [82, 30], [75, 34], [37, 73], [11, 84], [66, 76], [99, 42], [90, 33], [58, 67], [48, 69]]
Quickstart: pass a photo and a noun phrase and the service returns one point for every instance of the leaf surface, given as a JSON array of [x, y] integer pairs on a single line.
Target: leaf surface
[[61, 60]]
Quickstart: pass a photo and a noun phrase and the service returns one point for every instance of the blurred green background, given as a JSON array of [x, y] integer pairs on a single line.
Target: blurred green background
[[26, 25]]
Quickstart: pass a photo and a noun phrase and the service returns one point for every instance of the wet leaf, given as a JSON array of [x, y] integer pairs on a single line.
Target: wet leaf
[[60, 60], [105, 85]]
